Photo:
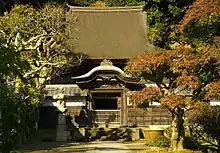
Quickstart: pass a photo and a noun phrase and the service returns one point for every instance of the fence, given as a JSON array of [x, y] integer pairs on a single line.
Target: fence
[[111, 116], [155, 115]]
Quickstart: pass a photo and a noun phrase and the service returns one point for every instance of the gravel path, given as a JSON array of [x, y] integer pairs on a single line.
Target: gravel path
[[107, 147], [91, 147]]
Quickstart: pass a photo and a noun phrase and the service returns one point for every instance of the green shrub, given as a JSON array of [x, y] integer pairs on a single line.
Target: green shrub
[[93, 132], [205, 127], [168, 132], [161, 141]]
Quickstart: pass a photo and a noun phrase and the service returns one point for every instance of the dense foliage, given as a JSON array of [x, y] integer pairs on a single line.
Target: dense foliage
[[200, 25], [40, 37], [205, 127], [161, 141], [18, 104], [162, 19], [184, 78], [33, 49]]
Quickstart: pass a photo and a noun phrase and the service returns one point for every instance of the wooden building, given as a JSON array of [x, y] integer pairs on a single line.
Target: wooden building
[[96, 92]]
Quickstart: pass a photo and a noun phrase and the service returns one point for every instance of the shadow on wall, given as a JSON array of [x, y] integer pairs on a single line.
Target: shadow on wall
[[84, 121], [86, 118], [77, 134]]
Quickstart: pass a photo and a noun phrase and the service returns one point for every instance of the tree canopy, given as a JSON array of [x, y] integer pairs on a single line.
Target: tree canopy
[[15, 107], [200, 24], [33, 49], [39, 35], [184, 78]]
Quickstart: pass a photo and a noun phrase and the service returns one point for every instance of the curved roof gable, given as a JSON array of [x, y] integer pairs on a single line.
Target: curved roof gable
[[107, 71]]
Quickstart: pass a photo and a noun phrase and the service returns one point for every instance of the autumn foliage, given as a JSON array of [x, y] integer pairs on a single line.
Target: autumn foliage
[[182, 71], [200, 24], [146, 96], [212, 90], [200, 9], [185, 79]]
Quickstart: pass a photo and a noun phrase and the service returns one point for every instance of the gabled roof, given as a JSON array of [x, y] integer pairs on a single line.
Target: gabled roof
[[110, 32]]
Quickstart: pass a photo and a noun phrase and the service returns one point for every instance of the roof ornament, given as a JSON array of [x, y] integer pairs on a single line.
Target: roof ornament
[[106, 62]]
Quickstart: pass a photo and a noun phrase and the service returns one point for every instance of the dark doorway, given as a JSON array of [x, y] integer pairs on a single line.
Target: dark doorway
[[48, 117], [105, 101], [105, 104]]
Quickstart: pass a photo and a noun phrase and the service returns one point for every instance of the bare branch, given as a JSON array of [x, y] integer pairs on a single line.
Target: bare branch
[[49, 42], [35, 38], [33, 71], [164, 85], [17, 39], [173, 112], [203, 138], [52, 64]]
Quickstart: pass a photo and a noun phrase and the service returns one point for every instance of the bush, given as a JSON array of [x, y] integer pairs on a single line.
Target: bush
[[93, 133], [205, 127], [168, 132], [161, 141]]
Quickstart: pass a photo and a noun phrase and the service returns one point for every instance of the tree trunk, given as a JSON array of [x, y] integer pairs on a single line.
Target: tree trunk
[[178, 133]]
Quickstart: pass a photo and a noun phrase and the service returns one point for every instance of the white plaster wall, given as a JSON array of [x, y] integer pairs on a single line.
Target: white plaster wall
[[214, 102], [73, 101]]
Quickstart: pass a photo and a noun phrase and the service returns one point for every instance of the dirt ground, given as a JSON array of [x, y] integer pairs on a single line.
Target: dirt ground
[[90, 147]]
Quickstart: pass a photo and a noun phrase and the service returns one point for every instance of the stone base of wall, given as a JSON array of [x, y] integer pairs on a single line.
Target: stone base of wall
[[127, 134], [151, 134]]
